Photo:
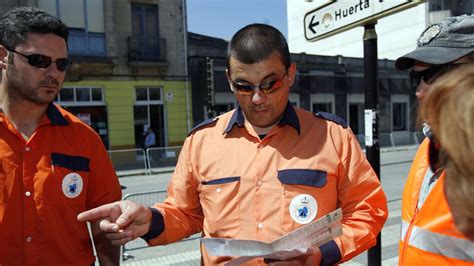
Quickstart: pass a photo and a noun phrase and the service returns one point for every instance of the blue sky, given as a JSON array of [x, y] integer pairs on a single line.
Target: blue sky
[[222, 18]]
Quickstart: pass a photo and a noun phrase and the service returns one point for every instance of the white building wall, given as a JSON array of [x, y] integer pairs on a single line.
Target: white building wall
[[397, 34]]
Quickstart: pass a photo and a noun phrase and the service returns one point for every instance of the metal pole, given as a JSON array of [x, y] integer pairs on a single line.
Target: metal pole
[[372, 145]]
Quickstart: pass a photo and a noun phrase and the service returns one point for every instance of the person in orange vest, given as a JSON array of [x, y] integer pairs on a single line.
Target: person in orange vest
[[428, 233], [261, 170], [449, 108]]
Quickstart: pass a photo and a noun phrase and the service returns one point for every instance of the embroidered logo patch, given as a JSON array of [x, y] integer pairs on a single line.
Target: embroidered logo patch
[[429, 34], [303, 208], [72, 185]]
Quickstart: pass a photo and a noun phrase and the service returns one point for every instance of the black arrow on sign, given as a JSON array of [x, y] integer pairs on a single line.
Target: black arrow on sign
[[312, 25]]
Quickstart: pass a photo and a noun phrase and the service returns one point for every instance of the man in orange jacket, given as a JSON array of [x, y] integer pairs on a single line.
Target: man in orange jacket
[[262, 170], [428, 232]]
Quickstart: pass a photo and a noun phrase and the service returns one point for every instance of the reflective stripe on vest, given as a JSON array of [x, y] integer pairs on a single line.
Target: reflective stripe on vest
[[443, 245]]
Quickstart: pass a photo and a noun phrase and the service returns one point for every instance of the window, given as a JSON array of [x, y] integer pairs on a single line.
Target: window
[[355, 112], [85, 19], [78, 95], [322, 107], [145, 43], [87, 103], [399, 116], [322, 102], [148, 94], [400, 112], [149, 111]]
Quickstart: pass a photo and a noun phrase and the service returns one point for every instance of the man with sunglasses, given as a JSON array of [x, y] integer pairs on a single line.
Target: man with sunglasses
[[262, 170], [53, 166], [428, 232]]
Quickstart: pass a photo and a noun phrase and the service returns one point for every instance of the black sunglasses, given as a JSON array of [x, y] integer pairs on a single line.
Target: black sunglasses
[[43, 61], [429, 75], [265, 88]]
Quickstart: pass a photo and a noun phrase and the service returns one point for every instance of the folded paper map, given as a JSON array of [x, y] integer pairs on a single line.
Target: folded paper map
[[296, 243]]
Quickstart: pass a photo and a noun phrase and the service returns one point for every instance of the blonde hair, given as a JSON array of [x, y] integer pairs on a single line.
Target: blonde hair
[[449, 110]]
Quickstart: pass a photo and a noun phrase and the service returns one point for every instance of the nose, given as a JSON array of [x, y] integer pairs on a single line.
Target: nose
[[53, 71], [421, 90], [258, 97]]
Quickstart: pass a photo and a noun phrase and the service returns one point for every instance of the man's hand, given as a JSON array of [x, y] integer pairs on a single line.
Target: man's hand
[[307, 260], [122, 221]]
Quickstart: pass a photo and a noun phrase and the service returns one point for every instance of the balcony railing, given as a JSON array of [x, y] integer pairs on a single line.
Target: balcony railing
[[146, 49]]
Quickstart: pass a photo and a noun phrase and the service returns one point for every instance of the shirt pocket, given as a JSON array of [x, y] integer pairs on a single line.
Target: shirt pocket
[[220, 203], [69, 178], [301, 196]]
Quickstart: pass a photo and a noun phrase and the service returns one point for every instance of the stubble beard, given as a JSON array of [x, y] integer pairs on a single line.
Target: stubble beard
[[24, 91]]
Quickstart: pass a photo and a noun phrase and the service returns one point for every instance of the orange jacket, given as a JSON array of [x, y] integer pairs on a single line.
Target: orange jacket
[[230, 183], [429, 234], [45, 182]]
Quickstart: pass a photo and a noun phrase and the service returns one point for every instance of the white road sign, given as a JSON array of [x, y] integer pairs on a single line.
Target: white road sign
[[339, 16]]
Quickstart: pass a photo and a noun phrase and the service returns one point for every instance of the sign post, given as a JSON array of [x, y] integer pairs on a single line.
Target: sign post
[[372, 144]]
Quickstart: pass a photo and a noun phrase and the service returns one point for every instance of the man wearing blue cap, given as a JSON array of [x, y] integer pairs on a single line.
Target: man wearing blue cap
[[428, 232]]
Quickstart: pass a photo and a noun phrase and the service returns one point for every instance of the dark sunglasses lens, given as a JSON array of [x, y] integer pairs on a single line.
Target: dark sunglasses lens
[[40, 61], [272, 86], [433, 73], [243, 89], [415, 77], [63, 64]]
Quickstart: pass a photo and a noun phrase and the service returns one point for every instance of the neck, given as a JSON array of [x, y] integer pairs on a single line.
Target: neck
[[262, 130], [24, 114]]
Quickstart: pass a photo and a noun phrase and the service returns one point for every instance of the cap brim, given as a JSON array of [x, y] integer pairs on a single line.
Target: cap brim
[[432, 56]]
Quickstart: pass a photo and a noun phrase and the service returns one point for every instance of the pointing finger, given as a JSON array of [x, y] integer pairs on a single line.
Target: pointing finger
[[96, 213]]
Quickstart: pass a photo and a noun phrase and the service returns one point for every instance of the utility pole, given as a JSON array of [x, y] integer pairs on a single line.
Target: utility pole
[[372, 144]]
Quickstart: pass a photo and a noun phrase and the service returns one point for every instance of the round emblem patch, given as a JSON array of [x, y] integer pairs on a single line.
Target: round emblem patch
[[303, 208], [429, 34], [72, 185]]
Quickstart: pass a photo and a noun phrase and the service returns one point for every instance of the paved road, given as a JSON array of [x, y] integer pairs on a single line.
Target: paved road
[[394, 168]]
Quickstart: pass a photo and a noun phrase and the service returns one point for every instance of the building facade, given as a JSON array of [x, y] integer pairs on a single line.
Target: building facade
[[129, 67]]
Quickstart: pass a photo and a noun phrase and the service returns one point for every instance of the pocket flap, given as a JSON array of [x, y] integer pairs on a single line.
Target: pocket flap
[[73, 163], [221, 180], [305, 177]]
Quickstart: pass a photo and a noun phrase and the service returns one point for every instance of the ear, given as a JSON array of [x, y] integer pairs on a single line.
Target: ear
[[291, 74], [229, 80], [3, 57]]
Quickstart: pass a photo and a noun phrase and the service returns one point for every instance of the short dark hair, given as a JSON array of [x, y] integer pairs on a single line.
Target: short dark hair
[[18, 22], [255, 43]]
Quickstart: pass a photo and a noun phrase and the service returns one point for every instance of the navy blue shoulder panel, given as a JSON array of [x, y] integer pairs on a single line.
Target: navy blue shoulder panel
[[203, 124], [332, 117]]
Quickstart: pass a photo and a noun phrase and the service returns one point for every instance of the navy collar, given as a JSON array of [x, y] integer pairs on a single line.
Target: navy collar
[[236, 119], [289, 118], [55, 116]]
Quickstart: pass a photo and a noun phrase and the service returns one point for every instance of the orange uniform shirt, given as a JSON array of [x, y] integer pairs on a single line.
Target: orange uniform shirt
[[44, 183], [229, 183]]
